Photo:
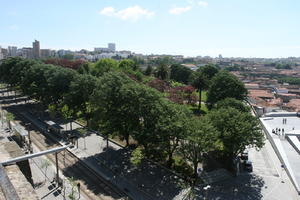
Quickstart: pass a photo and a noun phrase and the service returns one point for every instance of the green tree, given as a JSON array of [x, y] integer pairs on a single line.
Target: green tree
[[143, 105], [105, 65], [200, 82], [58, 82], [209, 70], [67, 114], [225, 85], [85, 68], [81, 89], [136, 157], [34, 82], [180, 73], [232, 103], [6, 69], [162, 71], [171, 128], [107, 101], [52, 110], [201, 138], [128, 64], [238, 130], [149, 70]]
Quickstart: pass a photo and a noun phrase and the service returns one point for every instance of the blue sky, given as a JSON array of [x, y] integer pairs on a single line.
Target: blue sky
[[233, 28]]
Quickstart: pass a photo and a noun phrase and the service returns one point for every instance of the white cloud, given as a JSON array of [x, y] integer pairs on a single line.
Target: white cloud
[[179, 10], [133, 13], [108, 11], [202, 3]]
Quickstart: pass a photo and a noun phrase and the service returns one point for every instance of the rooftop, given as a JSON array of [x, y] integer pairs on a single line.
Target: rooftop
[[294, 104], [260, 93]]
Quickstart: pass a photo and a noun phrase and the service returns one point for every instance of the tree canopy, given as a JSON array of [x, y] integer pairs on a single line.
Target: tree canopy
[[237, 130], [180, 73], [225, 85], [105, 65], [232, 103]]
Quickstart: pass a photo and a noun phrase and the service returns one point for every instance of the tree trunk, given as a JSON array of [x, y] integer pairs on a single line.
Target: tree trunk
[[199, 106], [195, 170], [127, 139], [106, 142], [170, 160], [88, 123]]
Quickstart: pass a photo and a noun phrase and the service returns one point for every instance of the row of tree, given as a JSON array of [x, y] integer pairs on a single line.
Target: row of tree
[[219, 83], [116, 104]]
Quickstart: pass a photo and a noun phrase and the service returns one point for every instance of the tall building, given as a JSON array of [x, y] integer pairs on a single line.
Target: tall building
[[12, 51], [27, 52], [36, 49], [4, 52], [112, 47], [1, 54]]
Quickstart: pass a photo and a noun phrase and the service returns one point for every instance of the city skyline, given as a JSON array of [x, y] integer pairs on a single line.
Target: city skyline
[[185, 27]]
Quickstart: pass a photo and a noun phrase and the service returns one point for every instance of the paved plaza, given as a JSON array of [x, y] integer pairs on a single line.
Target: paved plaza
[[285, 146]]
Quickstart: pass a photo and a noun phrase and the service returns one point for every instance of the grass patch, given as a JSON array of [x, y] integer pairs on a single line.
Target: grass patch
[[204, 96], [204, 110]]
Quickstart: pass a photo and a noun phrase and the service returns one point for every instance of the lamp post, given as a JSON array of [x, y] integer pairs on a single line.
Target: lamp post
[[235, 191], [282, 168], [29, 138], [206, 188], [78, 188]]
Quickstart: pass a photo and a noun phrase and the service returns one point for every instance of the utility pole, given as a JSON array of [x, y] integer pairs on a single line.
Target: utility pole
[[57, 172]]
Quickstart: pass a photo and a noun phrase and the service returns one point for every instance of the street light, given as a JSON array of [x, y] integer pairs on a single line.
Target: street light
[[235, 191], [282, 168], [206, 188]]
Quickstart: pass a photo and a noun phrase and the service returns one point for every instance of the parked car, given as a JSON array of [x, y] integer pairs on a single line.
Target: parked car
[[248, 166]]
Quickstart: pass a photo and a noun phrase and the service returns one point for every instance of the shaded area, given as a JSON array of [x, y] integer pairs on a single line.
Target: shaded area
[[246, 187], [92, 181], [148, 180]]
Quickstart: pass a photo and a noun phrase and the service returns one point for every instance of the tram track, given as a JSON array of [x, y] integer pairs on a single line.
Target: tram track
[[92, 184]]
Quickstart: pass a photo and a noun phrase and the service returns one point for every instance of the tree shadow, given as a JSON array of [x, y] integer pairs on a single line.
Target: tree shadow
[[246, 186], [196, 111], [148, 179], [94, 182]]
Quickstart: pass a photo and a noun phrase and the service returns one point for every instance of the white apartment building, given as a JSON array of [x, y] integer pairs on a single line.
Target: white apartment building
[[12, 51]]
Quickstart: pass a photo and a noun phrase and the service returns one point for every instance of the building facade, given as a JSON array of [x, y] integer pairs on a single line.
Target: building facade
[[45, 53], [12, 51], [36, 49], [112, 47]]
